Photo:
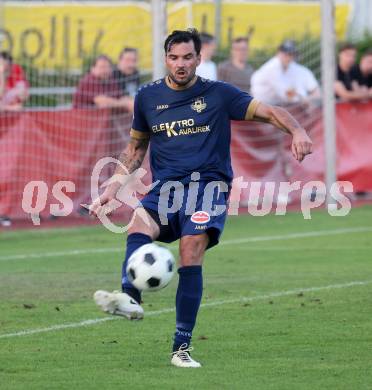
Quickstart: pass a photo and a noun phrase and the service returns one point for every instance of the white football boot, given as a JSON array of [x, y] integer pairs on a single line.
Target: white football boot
[[182, 358], [118, 303]]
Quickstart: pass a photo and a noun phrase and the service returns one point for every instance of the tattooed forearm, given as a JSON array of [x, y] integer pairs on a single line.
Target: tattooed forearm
[[133, 155]]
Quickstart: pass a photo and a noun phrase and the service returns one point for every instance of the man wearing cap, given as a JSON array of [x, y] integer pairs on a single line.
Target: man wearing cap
[[281, 80]]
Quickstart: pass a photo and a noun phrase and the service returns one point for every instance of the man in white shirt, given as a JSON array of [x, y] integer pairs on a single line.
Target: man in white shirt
[[281, 80], [207, 68]]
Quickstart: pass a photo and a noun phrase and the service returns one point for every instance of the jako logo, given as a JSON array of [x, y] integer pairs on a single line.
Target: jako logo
[[162, 106], [200, 217]]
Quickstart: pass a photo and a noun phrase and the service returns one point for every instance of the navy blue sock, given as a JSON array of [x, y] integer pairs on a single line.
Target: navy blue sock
[[189, 293], [134, 241]]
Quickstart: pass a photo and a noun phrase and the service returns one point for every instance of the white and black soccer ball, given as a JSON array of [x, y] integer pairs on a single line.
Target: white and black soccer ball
[[150, 267]]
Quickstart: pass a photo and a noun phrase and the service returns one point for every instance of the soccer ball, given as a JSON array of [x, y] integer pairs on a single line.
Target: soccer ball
[[150, 267]]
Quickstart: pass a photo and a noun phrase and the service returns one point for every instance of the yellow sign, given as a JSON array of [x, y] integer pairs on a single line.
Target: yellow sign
[[270, 22], [63, 34]]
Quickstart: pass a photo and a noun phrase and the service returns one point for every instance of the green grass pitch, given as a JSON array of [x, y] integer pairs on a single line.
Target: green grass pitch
[[287, 305]]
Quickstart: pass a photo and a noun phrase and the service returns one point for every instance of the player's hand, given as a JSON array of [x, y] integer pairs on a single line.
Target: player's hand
[[101, 205], [98, 205], [301, 145]]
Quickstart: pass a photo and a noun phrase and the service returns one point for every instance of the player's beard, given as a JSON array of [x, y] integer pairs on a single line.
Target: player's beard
[[182, 83]]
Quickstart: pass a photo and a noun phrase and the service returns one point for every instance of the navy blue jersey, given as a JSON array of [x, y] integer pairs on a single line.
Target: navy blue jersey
[[189, 129]]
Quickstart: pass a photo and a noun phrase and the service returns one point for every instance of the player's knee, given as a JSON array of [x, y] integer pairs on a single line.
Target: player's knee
[[142, 223], [192, 249]]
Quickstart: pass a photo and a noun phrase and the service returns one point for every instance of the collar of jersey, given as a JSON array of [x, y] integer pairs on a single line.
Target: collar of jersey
[[192, 83]]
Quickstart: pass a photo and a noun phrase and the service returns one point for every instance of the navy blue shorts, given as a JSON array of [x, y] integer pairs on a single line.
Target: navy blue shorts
[[188, 209]]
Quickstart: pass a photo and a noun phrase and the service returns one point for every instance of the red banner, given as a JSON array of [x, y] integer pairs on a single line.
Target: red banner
[[52, 146]]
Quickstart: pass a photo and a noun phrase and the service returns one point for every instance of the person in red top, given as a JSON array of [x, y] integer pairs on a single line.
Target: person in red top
[[13, 84], [13, 93], [98, 88]]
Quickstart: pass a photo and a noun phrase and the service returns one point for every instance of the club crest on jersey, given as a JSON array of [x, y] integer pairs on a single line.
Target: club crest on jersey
[[200, 217], [199, 105]]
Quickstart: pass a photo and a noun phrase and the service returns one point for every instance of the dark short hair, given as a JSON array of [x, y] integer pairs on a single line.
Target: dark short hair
[[128, 50], [101, 57], [6, 56], [180, 36], [346, 46], [367, 53], [240, 39], [206, 38]]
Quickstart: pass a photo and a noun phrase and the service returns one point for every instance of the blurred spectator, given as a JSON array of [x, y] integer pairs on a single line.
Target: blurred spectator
[[207, 68], [346, 86], [362, 73], [13, 84], [281, 80], [126, 73], [236, 70], [98, 88]]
